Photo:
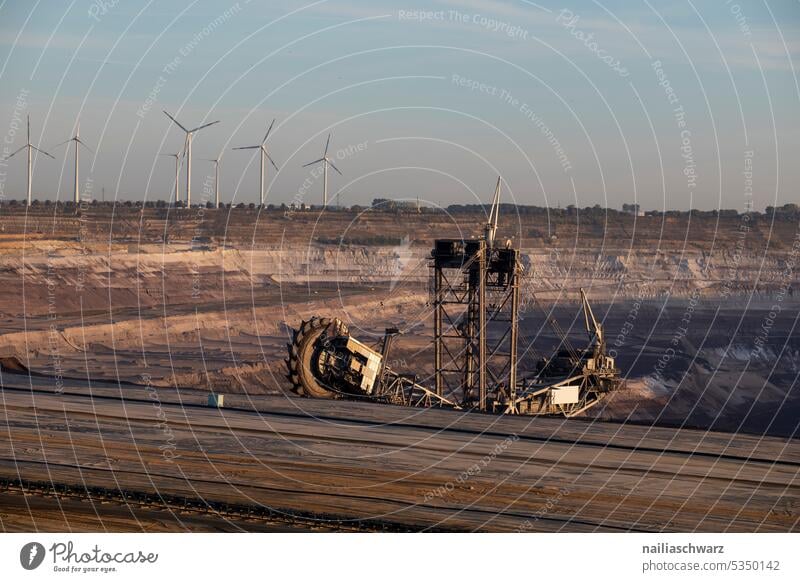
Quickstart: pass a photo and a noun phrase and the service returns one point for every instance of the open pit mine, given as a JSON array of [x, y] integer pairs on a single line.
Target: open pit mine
[[253, 369]]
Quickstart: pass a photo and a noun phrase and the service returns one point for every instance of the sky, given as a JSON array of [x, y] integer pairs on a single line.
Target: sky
[[671, 105]]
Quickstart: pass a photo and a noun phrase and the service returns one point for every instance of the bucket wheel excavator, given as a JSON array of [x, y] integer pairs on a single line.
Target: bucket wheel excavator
[[475, 299], [325, 361]]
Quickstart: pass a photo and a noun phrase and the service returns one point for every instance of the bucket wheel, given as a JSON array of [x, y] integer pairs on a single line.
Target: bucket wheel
[[303, 353]]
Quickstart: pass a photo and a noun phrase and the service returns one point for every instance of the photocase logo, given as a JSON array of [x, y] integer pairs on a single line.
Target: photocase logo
[[31, 555]]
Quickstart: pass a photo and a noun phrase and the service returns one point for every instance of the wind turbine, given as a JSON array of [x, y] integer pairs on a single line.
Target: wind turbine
[[30, 147], [177, 157], [326, 162], [78, 142], [264, 155], [188, 149], [216, 179]]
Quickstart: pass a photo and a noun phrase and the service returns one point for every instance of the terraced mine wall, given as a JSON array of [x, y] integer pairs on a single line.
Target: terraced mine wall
[[205, 298], [615, 255]]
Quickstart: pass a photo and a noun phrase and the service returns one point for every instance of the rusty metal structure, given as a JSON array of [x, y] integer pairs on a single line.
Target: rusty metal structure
[[475, 314], [475, 295]]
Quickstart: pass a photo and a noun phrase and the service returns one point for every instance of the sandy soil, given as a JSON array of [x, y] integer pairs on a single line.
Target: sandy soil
[[187, 303], [220, 320]]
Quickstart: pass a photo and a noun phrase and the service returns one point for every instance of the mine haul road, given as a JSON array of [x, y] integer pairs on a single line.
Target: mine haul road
[[103, 456]]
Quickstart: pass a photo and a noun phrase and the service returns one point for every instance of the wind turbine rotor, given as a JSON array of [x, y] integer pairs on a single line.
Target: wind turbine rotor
[[333, 166], [40, 151], [263, 154], [9, 156], [263, 141], [176, 122], [271, 161], [202, 127], [314, 162]]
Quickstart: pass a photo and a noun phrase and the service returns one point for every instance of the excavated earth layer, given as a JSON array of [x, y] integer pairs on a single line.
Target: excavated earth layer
[[700, 313]]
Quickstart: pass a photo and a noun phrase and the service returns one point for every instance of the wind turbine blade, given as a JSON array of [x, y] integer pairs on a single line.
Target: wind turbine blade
[[248, 148], [202, 126], [41, 152], [314, 162], [327, 143], [16, 152], [84, 145], [263, 141], [176, 122], [335, 168], [58, 145], [271, 161]]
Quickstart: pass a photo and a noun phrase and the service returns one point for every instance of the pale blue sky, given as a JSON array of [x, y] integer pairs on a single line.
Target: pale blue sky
[[552, 117]]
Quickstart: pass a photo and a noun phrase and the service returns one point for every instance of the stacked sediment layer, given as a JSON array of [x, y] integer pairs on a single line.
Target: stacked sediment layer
[[206, 298]]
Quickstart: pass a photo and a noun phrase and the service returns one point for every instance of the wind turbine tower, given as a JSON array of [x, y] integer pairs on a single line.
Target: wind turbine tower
[[30, 147], [264, 156], [326, 161], [177, 157], [188, 149], [76, 192], [216, 179]]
